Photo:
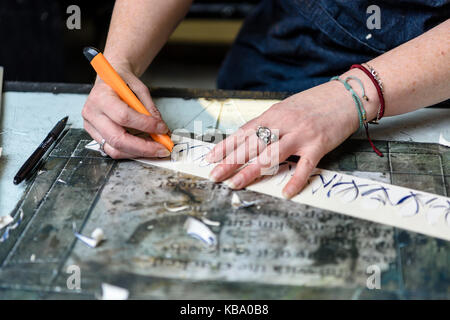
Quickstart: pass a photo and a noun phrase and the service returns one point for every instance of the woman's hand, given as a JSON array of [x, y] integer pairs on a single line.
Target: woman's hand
[[106, 116], [309, 124]]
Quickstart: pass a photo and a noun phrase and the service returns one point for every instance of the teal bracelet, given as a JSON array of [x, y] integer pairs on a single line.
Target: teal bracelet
[[361, 85], [358, 102], [359, 105]]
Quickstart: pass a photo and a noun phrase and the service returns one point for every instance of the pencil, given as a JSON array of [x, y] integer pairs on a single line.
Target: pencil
[[107, 73]]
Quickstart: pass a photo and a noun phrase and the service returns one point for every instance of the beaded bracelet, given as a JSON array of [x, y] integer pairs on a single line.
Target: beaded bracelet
[[374, 77], [361, 85], [356, 99], [359, 107]]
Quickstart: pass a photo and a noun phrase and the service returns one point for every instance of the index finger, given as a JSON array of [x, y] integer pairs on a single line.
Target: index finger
[[119, 112], [305, 166], [225, 147]]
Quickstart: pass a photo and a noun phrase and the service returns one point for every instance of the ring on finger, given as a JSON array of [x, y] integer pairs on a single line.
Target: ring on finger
[[266, 135], [102, 148]]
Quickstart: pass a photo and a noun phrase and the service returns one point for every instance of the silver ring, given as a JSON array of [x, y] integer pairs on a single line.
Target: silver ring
[[102, 148], [266, 135]]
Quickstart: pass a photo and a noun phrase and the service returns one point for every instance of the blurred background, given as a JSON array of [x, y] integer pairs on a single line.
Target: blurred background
[[36, 44]]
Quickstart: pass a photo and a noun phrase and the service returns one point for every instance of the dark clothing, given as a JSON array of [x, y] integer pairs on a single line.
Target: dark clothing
[[293, 45], [31, 40]]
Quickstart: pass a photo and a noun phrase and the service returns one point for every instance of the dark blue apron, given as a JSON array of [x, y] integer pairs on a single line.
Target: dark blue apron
[[293, 45]]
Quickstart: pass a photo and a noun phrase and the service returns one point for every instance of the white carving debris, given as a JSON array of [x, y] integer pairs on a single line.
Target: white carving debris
[[110, 292], [94, 240], [210, 222], [238, 204], [98, 235], [443, 141], [200, 231], [175, 209], [5, 220]]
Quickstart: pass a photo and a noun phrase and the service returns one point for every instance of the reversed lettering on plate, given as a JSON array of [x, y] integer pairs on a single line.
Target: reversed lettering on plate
[[273, 242], [385, 203]]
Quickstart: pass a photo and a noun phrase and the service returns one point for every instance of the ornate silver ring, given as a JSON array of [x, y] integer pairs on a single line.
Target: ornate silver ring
[[266, 135]]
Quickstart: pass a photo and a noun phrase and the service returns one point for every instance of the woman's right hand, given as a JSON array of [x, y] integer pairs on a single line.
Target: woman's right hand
[[106, 116]]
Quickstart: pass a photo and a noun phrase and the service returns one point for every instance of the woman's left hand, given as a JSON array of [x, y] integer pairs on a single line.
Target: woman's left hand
[[309, 124]]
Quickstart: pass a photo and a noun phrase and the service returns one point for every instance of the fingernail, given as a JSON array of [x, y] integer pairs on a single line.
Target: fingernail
[[215, 174], [163, 153], [210, 156], [288, 192], [229, 184], [235, 182], [162, 128]]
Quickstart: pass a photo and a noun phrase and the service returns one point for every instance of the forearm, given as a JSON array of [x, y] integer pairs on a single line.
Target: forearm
[[414, 75], [139, 29]]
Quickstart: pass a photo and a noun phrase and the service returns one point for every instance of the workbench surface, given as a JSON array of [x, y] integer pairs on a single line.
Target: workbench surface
[[275, 249]]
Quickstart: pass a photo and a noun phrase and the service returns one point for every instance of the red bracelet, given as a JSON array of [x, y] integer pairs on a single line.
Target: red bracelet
[[377, 83]]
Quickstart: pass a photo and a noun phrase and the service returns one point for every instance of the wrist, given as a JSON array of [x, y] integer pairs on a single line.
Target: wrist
[[369, 101], [121, 62], [371, 105], [346, 111], [121, 66]]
